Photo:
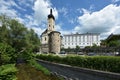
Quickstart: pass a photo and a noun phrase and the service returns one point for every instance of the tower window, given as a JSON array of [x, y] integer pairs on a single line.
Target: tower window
[[45, 38]]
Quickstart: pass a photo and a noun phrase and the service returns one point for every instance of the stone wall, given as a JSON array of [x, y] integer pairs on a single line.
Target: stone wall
[[44, 48], [54, 42]]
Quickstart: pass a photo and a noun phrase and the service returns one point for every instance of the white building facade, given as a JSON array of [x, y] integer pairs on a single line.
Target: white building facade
[[81, 40]]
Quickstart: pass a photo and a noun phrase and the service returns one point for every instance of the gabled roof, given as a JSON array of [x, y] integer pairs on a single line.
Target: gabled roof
[[113, 37], [44, 32]]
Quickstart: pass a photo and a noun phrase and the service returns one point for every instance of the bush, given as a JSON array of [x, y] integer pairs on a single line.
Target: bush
[[6, 53], [8, 72], [105, 63]]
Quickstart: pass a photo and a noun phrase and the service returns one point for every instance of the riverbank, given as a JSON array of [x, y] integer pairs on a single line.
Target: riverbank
[[26, 72]]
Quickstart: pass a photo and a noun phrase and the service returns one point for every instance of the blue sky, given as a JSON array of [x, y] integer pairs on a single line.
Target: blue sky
[[71, 16]]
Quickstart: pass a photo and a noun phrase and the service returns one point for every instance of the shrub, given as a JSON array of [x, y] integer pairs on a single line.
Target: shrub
[[8, 72], [105, 63], [6, 53]]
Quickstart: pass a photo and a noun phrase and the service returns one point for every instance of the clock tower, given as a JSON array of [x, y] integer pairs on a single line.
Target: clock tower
[[51, 22]]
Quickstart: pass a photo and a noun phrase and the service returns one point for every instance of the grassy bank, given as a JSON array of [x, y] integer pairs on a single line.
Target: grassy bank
[[27, 72], [37, 66], [105, 63]]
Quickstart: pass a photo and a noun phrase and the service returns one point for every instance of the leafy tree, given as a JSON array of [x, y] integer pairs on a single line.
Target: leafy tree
[[114, 43], [94, 45], [68, 49], [32, 40], [7, 53], [15, 34], [77, 49], [62, 49]]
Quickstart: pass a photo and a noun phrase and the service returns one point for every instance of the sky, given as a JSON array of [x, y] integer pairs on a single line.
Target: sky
[[71, 16]]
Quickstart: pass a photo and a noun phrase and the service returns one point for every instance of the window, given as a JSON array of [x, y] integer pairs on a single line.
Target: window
[[72, 38], [68, 43], [45, 38], [68, 38], [83, 38]]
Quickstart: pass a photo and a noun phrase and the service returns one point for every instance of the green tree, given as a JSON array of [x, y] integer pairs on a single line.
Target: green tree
[[68, 49], [32, 41], [94, 45], [114, 43], [7, 53], [77, 49], [15, 34]]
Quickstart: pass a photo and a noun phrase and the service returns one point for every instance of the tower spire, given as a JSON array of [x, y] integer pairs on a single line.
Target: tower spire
[[51, 15], [50, 11]]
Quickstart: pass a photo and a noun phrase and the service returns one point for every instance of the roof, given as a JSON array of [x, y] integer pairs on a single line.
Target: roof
[[82, 34], [54, 32], [51, 15], [113, 37], [45, 32]]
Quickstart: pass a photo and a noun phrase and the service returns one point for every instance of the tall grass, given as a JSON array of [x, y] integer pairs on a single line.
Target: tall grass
[[33, 63]]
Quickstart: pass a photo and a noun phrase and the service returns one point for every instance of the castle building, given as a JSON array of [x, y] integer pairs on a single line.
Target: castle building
[[81, 40], [50, 39]]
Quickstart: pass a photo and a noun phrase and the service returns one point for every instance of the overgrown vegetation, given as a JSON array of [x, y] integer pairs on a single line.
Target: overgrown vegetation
[[27, 72], [105, 63], [33, 63], [8, 72], [16, 43], [17, 36]]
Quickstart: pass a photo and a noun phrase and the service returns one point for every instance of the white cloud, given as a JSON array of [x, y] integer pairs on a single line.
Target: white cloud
[[85, 11], [62, 31], [77, 28], [92, 7], [38, 30], [79, 10], [58, 27], [114, 1], [5, 8], [64, 11], [71, 21], [12, 3], [42, 9], [26, 3], [104, 21]]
